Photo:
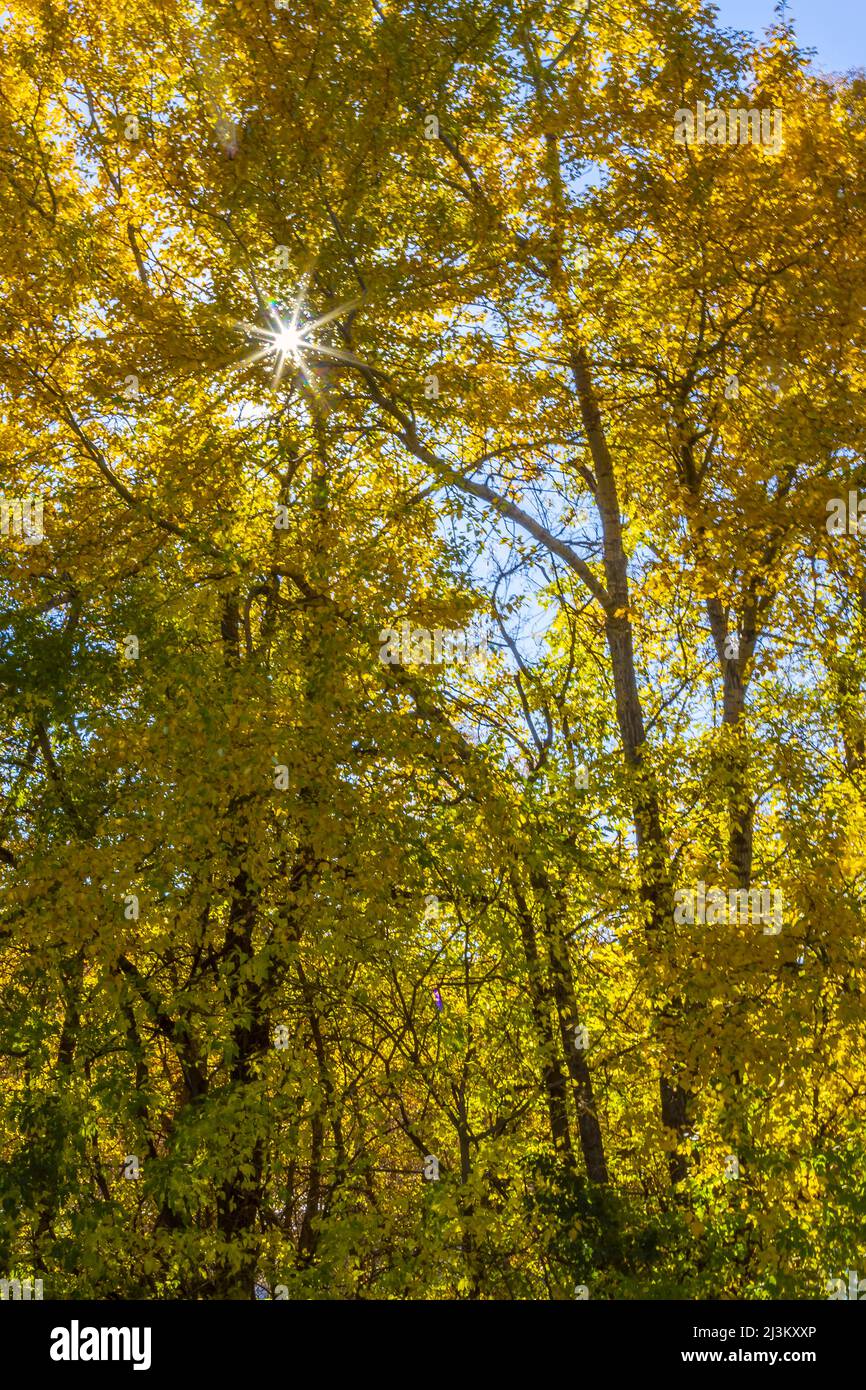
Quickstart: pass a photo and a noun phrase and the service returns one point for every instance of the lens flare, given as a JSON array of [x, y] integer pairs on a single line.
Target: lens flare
[[296, 343]]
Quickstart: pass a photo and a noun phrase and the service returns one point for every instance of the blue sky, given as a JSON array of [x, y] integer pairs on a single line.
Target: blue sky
[[837, 28]]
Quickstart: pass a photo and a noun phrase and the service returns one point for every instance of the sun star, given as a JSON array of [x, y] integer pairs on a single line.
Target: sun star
[[297, 344], [287, 341]]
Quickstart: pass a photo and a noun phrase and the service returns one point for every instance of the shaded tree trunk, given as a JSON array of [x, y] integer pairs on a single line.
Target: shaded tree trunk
[[552, 1076]]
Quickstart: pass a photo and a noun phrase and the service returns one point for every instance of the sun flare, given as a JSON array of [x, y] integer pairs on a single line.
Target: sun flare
[[287, 341], [298, 344]]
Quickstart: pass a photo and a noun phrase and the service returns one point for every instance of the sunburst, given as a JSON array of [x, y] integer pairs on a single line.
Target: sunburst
[[296, 344]]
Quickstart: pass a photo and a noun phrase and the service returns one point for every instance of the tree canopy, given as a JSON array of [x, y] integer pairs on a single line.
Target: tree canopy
[[432, 658]]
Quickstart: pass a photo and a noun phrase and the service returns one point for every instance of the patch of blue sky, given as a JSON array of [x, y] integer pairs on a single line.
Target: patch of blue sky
[[834, 29]]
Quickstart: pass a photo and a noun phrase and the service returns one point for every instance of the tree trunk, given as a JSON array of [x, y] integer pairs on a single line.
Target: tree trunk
[[552, 1076]]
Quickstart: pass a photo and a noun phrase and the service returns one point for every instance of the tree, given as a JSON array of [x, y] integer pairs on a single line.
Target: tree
[[435, 459]]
